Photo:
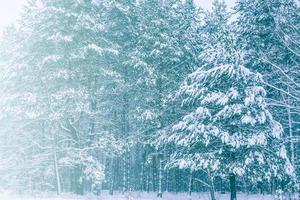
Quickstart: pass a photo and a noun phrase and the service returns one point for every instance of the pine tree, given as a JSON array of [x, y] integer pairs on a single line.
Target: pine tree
[[229, 129]]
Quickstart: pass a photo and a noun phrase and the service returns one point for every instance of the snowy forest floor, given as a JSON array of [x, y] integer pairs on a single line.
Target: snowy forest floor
[[137, 196]]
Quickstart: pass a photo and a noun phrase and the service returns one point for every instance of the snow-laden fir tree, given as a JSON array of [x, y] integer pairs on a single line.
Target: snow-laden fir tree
[[228, 130]]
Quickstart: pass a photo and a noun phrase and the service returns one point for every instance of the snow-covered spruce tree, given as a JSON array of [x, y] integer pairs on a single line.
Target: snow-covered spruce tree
[[228, 131]]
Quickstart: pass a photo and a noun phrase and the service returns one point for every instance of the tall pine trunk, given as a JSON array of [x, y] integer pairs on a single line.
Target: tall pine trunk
[[56, 170], [212, 193], [124, 176], [292, 146], [160, 177], [112, 178], [154, 173], [191, 183], [291, 133], [232, 180], [212, 186], [58, 185]]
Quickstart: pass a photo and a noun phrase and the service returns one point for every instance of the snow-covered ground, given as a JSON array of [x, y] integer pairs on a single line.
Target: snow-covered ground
[[136, 196]]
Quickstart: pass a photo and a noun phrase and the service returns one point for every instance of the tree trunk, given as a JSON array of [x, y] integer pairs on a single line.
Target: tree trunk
[[292, 147], [78, 180], [167, 176], [112, 178], [212, 193], [154, 174], [291, 133], [160, 178], [147, 182], [222, 187], [212, 186], [124, 176], [58, 186], [232, 180], [128, 177], [191, 183], [57, 176]]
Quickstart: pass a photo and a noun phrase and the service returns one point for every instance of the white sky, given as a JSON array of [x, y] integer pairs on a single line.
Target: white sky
[[11, 9], [207, 4]]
